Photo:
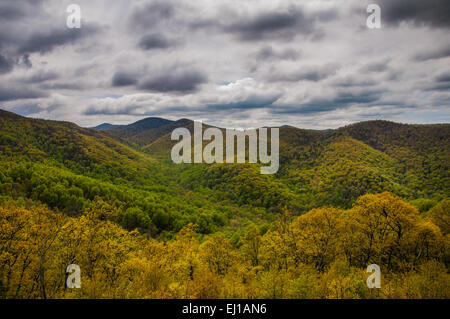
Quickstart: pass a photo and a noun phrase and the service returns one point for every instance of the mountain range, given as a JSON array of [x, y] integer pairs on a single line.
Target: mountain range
[[70, 168]]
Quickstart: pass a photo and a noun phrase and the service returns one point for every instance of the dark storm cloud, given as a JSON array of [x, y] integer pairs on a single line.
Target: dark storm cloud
[[27, 109], [123, 78], [46, 41], [147, 16], [26, 29], [11, 11], [269, 53], [354, 81], [25, 60], [64, 86], [175, 81], [155, 41], [376, 67], [124, 110], [277, 24], [348, 98], [252, 102], [434, 13], [270, 23], [440, 82], [433, 54], [311, 73], [5, 65], [341, 100], [40, 77], [445, 77], [11, 93]]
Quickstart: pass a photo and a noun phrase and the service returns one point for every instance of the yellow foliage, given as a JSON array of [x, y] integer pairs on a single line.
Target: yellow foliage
[[321, 254]]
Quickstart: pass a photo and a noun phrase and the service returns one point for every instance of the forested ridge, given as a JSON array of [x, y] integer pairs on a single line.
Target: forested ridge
[[139, 226]]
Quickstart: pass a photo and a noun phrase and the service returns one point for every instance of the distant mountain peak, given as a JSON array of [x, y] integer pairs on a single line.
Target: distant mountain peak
[[152, 121], [147, 123], [105, 127]]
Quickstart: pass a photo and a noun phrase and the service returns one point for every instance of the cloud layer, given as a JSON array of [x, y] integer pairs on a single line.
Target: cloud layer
[[311, 64]]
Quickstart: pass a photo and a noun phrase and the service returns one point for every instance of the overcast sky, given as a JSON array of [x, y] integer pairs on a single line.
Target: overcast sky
[[243, 63]]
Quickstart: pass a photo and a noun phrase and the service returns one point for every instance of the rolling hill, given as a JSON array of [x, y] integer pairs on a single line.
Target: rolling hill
[[339, 165], [146, 131], [129, 166]]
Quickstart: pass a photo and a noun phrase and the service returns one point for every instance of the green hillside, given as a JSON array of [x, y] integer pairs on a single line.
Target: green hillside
[[70, 168], [140, 226], [146, 131], [130, 168], [335, 167]]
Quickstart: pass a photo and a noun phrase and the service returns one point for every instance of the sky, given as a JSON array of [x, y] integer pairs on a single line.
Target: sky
[[235, 63]]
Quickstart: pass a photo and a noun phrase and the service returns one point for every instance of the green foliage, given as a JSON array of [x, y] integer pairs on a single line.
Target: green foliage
[[224, 230]]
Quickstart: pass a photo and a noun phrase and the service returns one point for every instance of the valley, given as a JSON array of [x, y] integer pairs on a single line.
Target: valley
[[116, 193]]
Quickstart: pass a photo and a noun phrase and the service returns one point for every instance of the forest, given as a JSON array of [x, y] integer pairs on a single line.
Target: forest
[[140, 226], [320, 254]]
